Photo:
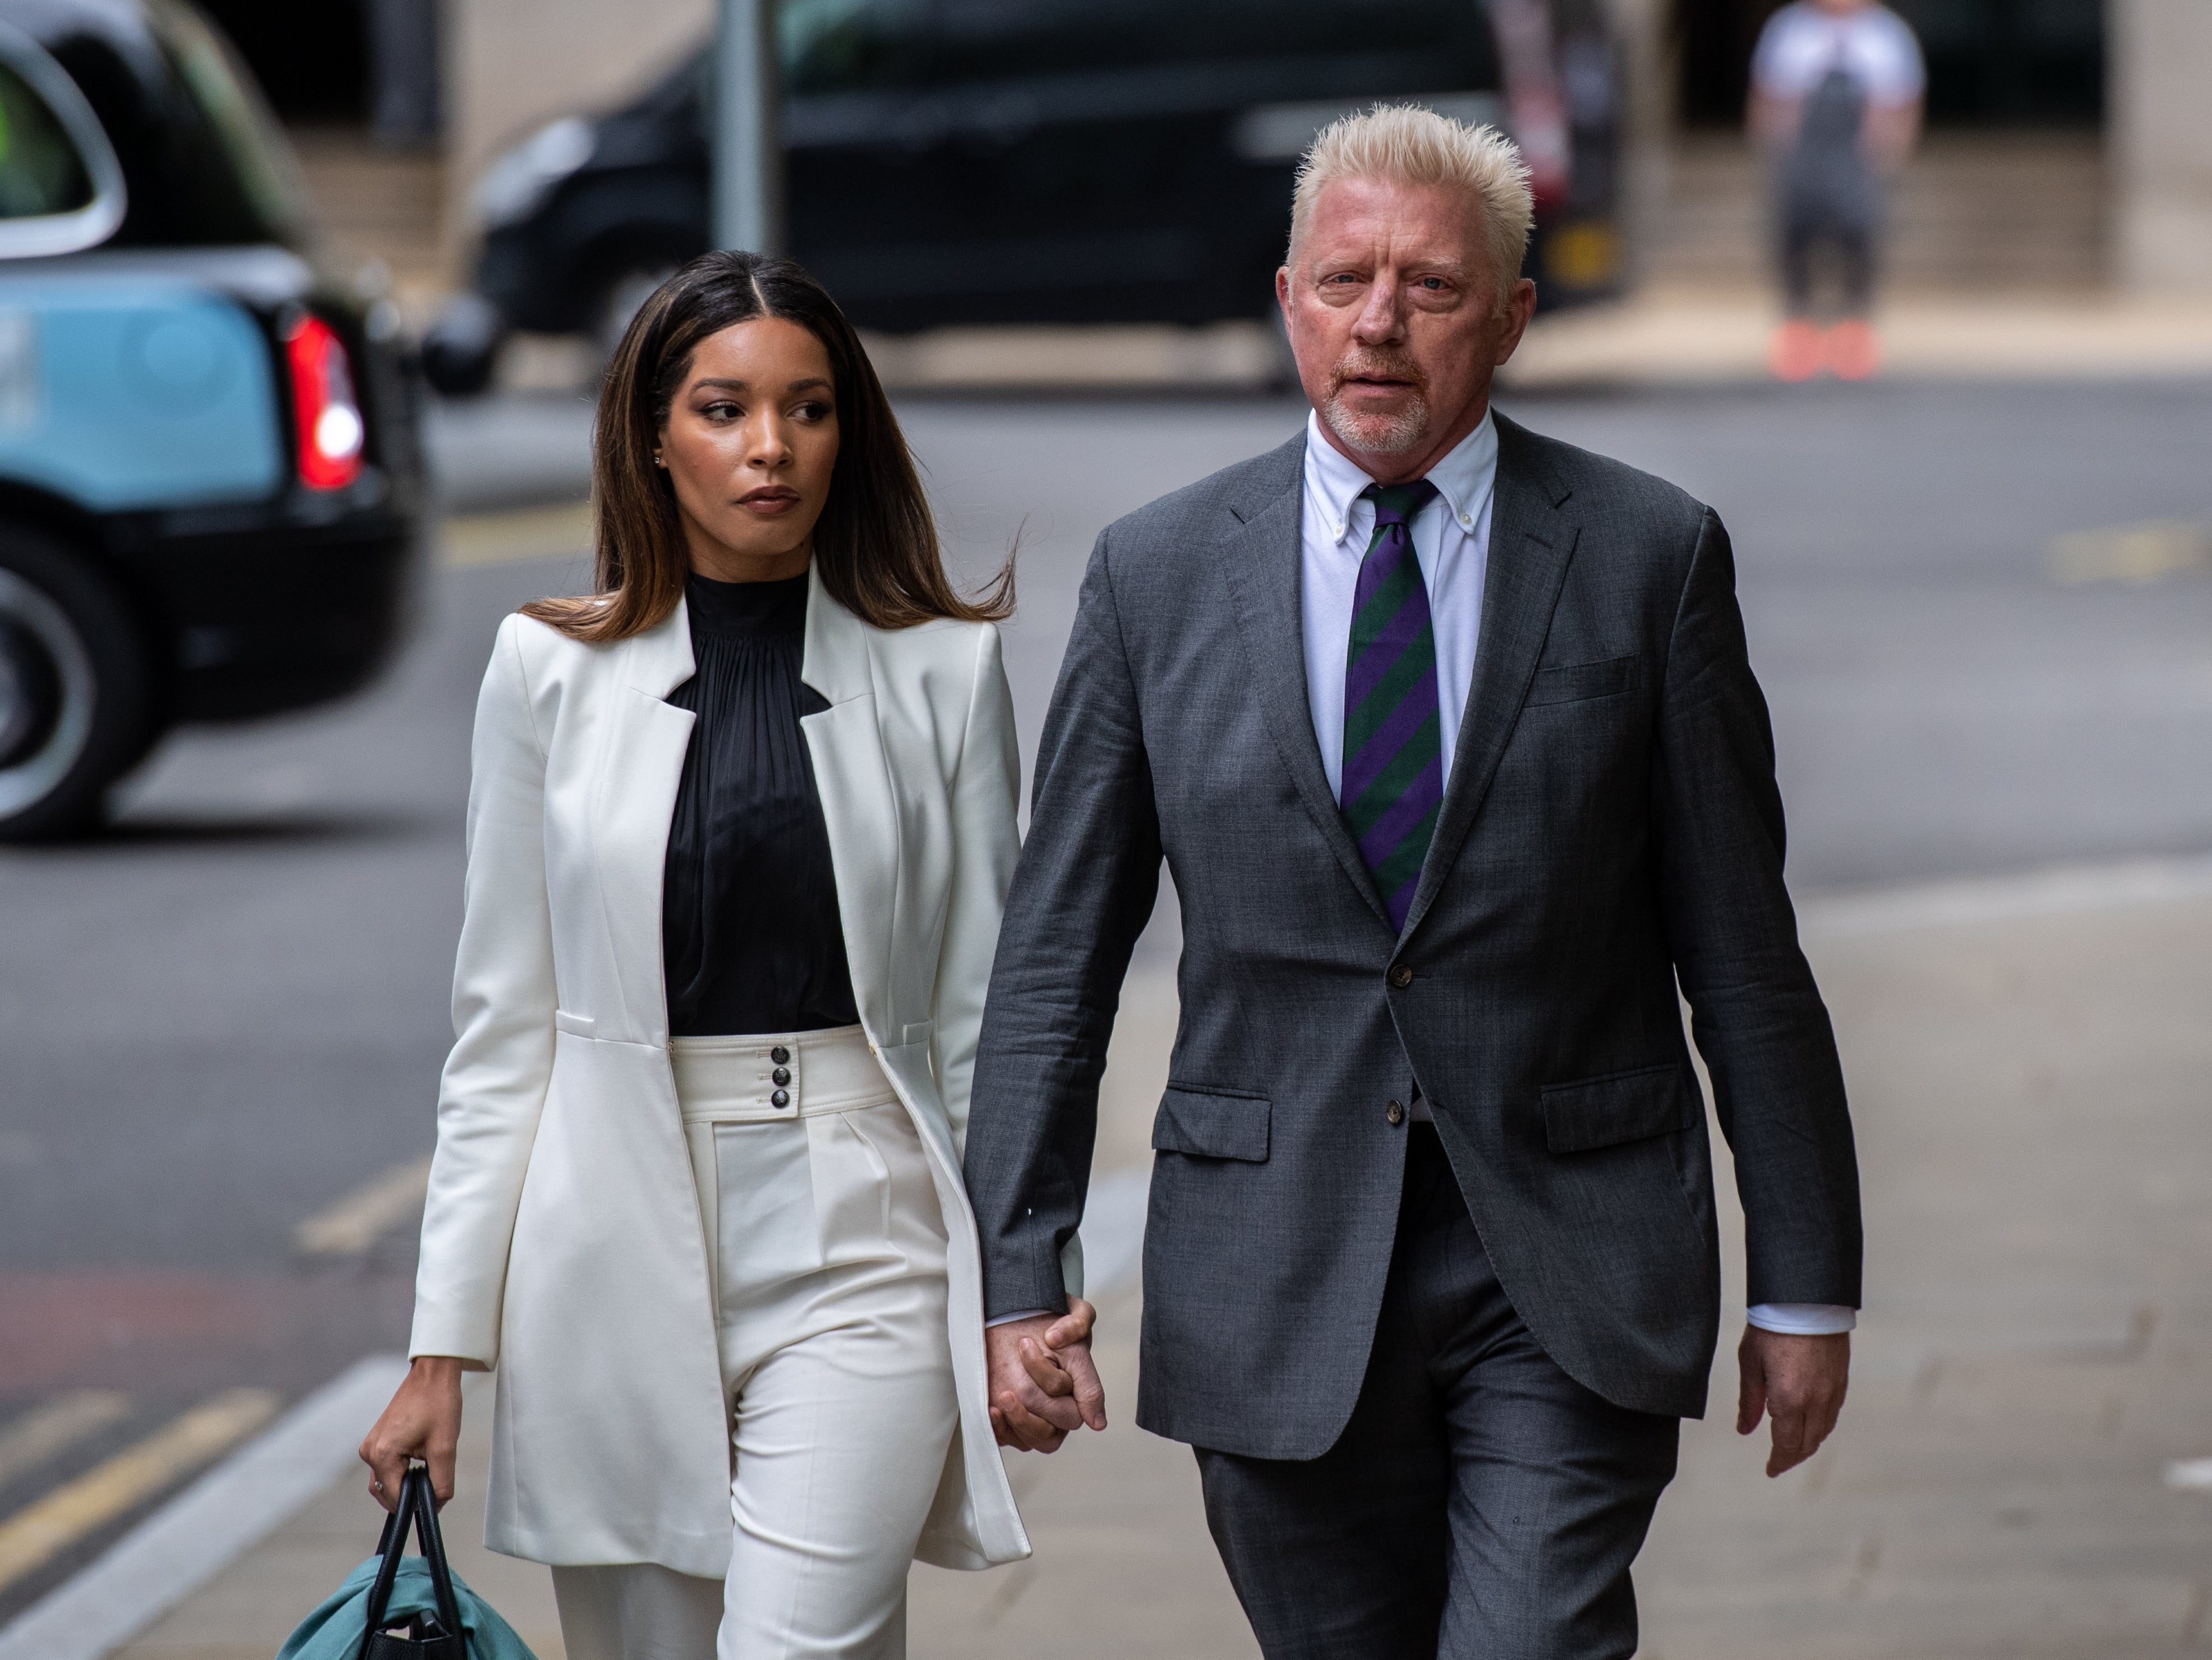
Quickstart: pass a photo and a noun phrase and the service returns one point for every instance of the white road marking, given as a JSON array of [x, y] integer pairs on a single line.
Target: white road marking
[[53, 1428], [353, 1224], [2189, 1476], [505, 538], [43, 1529], [202, 1531], [2132, 553]]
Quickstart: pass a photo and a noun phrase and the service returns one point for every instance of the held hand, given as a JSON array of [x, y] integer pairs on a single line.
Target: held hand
[[424, 1421], [1798, 1382], [1042, 1384]]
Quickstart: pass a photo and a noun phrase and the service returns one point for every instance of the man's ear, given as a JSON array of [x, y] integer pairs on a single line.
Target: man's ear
[[1520, 305]]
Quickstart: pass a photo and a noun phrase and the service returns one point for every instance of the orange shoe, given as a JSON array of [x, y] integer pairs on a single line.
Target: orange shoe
[[1794, 354], [1853, 349]]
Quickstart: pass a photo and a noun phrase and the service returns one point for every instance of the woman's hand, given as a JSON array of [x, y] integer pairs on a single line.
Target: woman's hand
[[424, 1421], [1042, 1385]]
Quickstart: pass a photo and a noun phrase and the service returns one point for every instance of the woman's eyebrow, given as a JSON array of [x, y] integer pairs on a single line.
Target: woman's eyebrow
[[724, 383]]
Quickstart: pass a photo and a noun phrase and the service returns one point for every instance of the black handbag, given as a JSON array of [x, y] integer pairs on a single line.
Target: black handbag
[[439, 1636]]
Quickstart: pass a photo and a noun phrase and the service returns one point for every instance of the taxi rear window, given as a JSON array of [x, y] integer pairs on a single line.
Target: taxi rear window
[[41, 174]]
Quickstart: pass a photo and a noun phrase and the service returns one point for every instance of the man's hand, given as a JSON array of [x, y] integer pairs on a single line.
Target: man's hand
[[1042, 1383], [424, 1421], [1797, 1381]]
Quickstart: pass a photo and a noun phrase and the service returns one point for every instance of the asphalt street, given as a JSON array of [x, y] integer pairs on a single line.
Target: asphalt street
[[225, 1017]]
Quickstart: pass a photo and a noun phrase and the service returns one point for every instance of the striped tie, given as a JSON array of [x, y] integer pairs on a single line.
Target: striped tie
[[1394, 780]]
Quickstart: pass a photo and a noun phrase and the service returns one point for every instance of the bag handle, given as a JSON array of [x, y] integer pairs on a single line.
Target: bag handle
[[418, 1506], [432, 1541]]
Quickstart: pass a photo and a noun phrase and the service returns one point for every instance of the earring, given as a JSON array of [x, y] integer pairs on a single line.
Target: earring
[[657, 461]]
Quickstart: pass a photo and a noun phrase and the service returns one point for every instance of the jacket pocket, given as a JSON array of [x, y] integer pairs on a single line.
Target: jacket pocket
[[918, 1031], [1574, 683], [1213, 1124], [576, 1025], [1622, 1106]]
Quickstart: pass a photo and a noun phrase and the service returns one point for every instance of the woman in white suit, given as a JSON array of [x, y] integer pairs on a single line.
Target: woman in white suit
[[739, 833]]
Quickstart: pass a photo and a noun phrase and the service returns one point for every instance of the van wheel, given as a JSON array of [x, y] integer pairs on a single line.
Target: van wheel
[[75, 689]]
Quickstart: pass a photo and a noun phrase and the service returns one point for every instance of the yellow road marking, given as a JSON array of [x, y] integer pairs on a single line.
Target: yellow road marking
[[35, 1536], [53, 1428], [356, 1222], [505, 538], [2132, 553]]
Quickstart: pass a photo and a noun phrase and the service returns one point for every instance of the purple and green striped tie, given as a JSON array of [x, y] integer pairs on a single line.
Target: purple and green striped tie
[[1393, 780]]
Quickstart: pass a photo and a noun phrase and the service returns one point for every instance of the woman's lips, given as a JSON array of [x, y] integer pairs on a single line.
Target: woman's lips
[[770, 498]]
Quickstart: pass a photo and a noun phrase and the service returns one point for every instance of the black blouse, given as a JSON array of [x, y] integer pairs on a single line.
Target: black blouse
[[751, 933]]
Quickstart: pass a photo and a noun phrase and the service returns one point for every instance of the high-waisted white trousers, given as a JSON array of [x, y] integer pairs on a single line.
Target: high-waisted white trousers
[[829, 1293]]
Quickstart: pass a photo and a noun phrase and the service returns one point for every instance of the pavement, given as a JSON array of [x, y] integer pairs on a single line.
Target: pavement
[[1708, 334], [2036, 1355], [1670, 333], [1664, 335], [1979, 609]]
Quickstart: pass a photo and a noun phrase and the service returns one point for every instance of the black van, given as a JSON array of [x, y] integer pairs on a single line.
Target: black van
[[991, 162]]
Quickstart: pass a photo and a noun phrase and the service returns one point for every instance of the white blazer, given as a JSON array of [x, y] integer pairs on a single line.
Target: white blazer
[[561, 1241]]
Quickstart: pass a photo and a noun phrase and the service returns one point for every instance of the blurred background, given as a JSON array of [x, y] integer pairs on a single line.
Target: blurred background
[[301, 313]]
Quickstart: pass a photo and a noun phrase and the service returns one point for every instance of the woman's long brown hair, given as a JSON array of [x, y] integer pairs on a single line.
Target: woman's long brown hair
[[875, 545]]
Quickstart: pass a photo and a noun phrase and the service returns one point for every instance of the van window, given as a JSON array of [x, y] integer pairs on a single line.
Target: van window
[[853, 46], [1408, 44], [41, 174]]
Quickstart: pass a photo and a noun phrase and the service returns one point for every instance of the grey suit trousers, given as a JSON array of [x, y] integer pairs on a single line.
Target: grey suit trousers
[[1481, 1505]]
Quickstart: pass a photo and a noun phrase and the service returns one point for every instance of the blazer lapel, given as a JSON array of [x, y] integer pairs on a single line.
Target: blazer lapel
[[1531, 545], [859, 808], [1262, 560], [641, 770]]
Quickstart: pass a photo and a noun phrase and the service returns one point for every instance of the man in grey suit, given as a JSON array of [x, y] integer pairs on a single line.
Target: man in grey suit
[[1448, 736]]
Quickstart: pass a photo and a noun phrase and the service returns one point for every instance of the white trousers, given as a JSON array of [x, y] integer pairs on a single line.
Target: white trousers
[[829, 1291]]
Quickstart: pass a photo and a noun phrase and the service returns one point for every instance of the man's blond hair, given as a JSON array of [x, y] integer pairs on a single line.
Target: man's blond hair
[[1406, 144]]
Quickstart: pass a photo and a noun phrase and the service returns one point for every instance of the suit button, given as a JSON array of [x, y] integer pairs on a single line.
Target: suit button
[[781, 1099], [1401, 977], [1394, 1114], [781, 1074], [779, 1055]]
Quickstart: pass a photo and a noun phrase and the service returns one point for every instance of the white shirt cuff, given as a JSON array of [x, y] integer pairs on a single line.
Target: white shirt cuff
[[1019, 1314], [1803, 1319]]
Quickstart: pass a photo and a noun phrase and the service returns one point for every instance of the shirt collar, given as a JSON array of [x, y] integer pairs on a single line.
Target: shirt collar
[[1464, 476]]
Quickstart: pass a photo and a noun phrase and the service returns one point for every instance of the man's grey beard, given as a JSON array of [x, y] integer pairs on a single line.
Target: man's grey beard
[[1378, 434]]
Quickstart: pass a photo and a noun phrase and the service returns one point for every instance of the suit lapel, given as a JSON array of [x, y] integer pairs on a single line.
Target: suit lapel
[[641, 770], [1262, 560], [1531, 545], [859, 808]]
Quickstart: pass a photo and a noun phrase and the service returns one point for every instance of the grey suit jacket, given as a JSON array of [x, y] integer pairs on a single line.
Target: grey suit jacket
[[1611, 828]]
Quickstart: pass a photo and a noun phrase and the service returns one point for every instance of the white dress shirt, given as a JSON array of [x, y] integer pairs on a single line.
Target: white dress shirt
[[1451, 544]]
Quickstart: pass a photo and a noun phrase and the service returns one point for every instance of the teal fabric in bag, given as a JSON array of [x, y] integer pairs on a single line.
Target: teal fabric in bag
[[334, 1631], [397, 1607]]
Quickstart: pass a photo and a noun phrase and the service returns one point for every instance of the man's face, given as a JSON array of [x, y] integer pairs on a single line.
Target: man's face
[[1393, 319]]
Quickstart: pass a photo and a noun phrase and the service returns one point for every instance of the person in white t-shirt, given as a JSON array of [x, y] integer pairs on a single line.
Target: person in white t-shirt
[[1837, 88]]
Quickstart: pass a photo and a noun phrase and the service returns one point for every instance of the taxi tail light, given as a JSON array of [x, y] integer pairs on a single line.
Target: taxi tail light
[[326, 416]]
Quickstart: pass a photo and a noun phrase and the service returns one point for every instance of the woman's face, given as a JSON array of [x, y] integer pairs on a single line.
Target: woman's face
[[750, 445]]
